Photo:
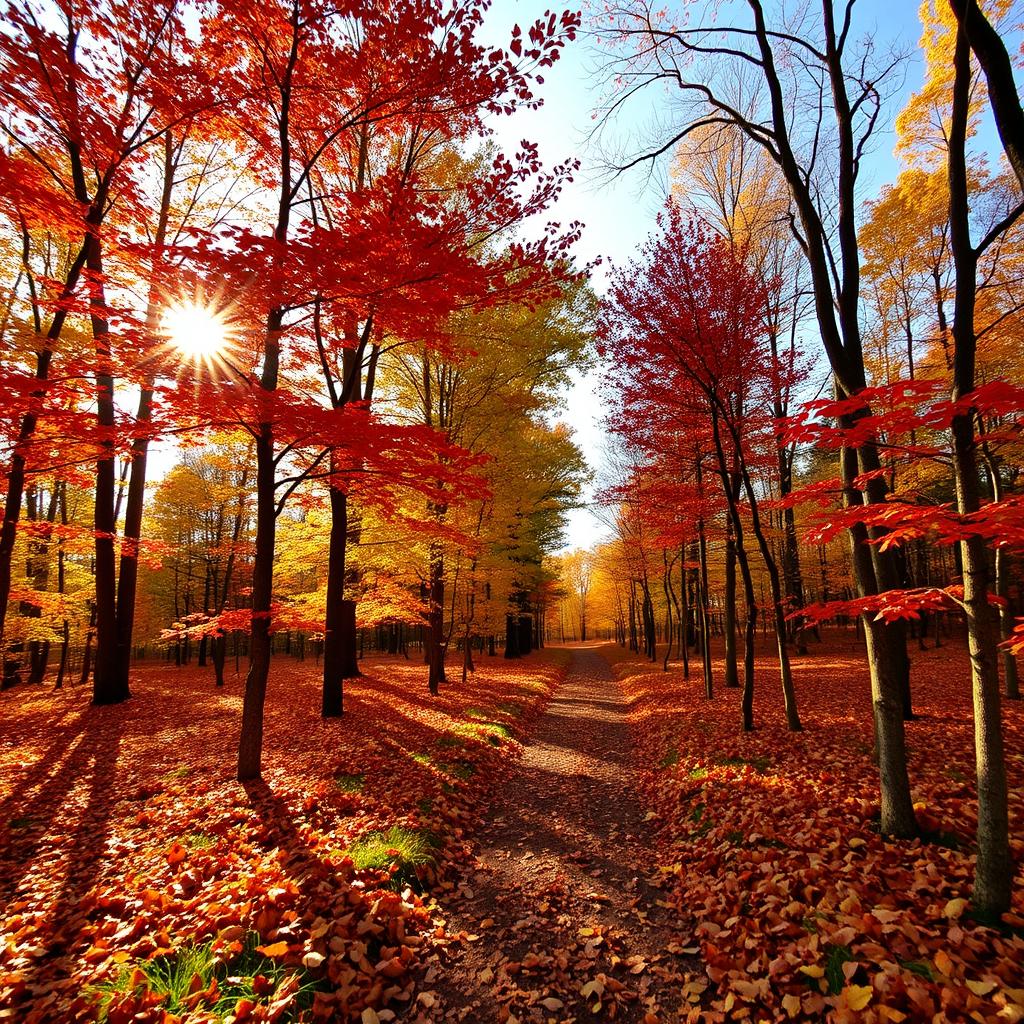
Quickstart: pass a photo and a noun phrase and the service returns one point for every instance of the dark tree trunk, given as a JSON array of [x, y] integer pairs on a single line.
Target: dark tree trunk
[[340, 636], [108, 686], [435, 623], [511, 636]]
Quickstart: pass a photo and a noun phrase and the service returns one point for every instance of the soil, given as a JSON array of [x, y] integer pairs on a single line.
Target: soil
[[556, 919]]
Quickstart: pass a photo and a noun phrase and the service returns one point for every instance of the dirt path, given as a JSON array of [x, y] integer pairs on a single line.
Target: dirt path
[[557, 902]]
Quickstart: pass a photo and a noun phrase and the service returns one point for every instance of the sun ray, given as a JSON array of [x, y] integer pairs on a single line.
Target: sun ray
[[198, 332]]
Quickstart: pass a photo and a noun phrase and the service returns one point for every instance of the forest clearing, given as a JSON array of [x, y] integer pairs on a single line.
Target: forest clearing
[[511, 514], [410, 864]]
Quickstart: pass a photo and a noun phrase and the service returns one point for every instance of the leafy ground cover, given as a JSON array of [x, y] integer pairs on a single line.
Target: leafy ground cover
[[143, 883], [769, 843]]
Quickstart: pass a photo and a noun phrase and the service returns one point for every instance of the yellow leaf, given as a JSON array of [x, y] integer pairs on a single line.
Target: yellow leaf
[[981, 988], [858, 996], [791, 1004], [954, 908], [856, 842], [370, 1016], [813, 971]]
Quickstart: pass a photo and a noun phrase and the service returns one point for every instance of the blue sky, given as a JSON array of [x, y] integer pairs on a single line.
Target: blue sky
[[619, 213]]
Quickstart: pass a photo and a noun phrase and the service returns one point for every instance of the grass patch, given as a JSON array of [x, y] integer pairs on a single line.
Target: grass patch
[[698, 773], [459, 733], [462, 770], [835, 957], [350, 783], [759, 764], [670, 758], [921, 968], [180, 773], [407, 848], [459, 769], [449, 740], [510, 709], [172, 978], [199, 841]]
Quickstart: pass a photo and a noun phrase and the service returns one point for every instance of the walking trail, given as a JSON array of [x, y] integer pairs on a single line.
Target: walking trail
[[556, 916]]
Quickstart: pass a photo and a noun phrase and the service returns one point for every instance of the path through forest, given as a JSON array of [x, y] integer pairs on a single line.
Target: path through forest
[[556, 915]]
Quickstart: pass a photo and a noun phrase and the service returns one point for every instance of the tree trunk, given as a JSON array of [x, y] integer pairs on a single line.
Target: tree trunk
[[511, 636], [435, 623], [250, 744], [108, 686], [340, 661], [993, 874], [732, 679]]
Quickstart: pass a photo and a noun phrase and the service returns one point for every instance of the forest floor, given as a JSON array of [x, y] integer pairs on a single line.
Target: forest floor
[[576, 836]]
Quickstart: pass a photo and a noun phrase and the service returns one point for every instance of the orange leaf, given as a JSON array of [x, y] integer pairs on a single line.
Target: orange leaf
[[278, 949]]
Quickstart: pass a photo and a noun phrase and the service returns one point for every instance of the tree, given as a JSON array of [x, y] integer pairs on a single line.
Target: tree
[[812, 59], [690, 310]]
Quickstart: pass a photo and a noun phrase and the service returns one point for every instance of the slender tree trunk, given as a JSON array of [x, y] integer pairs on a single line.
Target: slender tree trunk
[[732, 679], [994, 869], [884, 649], [704, 611], [435, 622], [108, 687], [250, 747], [340, 661]]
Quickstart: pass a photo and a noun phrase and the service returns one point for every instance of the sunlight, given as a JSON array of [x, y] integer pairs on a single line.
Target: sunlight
[[196, 331]]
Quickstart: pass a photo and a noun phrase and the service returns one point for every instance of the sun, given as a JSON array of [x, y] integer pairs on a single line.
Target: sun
[[196, 331]]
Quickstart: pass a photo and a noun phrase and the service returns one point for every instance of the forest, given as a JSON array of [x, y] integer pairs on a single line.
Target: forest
[[437, 586]]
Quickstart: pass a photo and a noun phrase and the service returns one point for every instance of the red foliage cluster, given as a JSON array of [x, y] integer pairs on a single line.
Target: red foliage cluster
[[123, 836], [801, 910]]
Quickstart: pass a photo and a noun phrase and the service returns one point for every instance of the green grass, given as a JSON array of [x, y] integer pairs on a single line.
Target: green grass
[[171, 978], [698, 773], [409, 849], [670, 758], [462, 770], [921, 968], [458, 769], [180, 773], [346, 783], [835, 957], [759, 764], [199, 841], [486, 732], [449, 741]]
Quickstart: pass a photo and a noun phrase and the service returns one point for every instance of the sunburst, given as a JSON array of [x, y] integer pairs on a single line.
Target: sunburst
[[197, 332]]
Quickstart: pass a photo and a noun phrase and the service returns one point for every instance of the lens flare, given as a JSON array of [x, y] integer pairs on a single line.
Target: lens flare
[[196, 331]]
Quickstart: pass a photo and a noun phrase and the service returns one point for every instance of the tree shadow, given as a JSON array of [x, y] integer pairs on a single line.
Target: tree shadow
[[62, 917]]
